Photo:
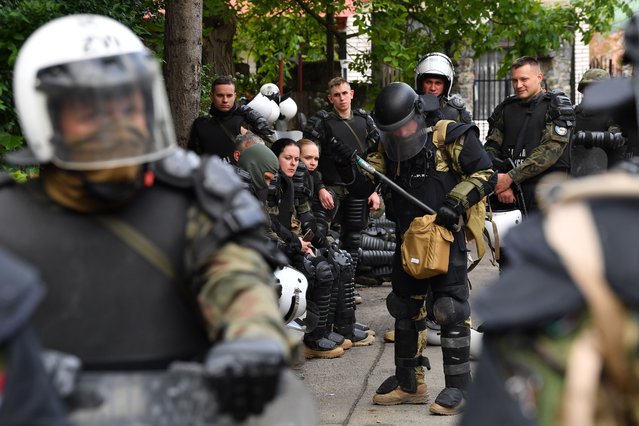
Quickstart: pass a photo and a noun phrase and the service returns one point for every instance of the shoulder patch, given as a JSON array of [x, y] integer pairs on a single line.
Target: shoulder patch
[[560, 130]]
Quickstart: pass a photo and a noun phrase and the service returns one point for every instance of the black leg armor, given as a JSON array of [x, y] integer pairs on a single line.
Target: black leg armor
[[354, 219], [345, 295], [318, 273], [409, 317], [451, 315]]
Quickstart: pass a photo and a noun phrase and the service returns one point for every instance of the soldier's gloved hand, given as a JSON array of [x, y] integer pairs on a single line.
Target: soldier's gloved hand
[[499, 165], [245, 374], [343, 153], [448, 214]]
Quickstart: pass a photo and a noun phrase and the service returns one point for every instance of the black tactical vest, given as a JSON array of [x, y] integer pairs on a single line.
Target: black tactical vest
[[216, 134], [105, 302], [339, 128], [420, 179], [514, 118]]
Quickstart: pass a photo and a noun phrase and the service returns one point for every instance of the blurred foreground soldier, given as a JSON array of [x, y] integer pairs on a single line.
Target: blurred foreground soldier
[[528, 138], [560, 327], [155, 260], [443, 165], [22, 374], [434, 74], [597, 142]]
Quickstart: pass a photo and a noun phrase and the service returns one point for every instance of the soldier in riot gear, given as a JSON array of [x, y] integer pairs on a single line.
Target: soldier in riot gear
[[443, 165], [350, 194], [434, 74], [158, 273], [528, 138], [215, 133], [597, 142]]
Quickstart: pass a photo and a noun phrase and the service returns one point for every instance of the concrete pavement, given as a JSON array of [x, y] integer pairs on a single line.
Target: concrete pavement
[[343, 388]]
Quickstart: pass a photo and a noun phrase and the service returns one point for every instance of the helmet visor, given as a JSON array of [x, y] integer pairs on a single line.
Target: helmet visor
[[107, 112], [405, 140]]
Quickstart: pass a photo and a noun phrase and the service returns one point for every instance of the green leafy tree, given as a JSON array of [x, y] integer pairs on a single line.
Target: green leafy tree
[[402, 30], [19, 18]]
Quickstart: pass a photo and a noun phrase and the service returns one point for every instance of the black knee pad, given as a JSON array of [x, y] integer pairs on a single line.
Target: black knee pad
[[402, 308], [449, 311]]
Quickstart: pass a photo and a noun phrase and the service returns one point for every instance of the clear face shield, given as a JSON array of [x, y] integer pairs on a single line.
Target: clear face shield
[[107, 112], [406, 139]]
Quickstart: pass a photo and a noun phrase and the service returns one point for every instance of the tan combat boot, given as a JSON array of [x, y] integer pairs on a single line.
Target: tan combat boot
[[398, 396], [389, 336], [310, 353]]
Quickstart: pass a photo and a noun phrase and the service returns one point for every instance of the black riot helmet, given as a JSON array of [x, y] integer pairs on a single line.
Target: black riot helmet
[[403, 118], [394, 105]]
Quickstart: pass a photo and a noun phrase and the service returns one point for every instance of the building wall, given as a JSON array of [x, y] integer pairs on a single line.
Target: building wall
[[354, 46]]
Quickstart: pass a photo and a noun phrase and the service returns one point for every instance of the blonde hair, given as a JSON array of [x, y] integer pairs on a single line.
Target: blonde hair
[[305, 142]]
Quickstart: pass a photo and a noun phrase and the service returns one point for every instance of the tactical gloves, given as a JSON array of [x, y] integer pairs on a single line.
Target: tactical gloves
[[344, 154], [245, 374], [448, 214]]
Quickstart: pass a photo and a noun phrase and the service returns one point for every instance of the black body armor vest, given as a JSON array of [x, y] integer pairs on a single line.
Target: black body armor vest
[[106, 303], [514, 117], [420, 179], [338, 128]]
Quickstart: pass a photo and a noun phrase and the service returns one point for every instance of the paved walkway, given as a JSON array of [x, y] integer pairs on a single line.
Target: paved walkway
[[343, 388]]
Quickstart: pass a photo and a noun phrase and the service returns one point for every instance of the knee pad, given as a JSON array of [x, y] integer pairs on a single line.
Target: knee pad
[[406, 311], [449, 311]]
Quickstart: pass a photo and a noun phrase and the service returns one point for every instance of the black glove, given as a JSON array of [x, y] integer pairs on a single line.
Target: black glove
[[499, 165], [344, 154], [245, 374], [448, 214]]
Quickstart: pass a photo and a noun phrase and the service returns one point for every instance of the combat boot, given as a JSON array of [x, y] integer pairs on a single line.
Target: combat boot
[[389, 336], [323, 349], [364, 328], [449, 402], [390, 393]]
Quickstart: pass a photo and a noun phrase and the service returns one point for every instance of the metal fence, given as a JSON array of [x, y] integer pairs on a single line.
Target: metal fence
[[488, 89]]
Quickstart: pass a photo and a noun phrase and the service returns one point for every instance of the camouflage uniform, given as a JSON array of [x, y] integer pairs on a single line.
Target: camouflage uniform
[[543, 139], [535, 318]]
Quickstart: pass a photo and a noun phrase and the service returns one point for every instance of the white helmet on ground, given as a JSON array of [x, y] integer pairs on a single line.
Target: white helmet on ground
[[92, 63], [434, 64], [293, 287]]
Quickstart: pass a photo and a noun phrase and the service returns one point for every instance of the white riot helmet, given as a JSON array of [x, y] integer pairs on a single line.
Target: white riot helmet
[[288, 109], [271, 91], [96, 65], [438, 65], [294, 286]]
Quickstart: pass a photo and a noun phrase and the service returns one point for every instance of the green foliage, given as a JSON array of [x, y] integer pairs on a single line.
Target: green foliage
[[269, 32], [402, 30], [19, 18]]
